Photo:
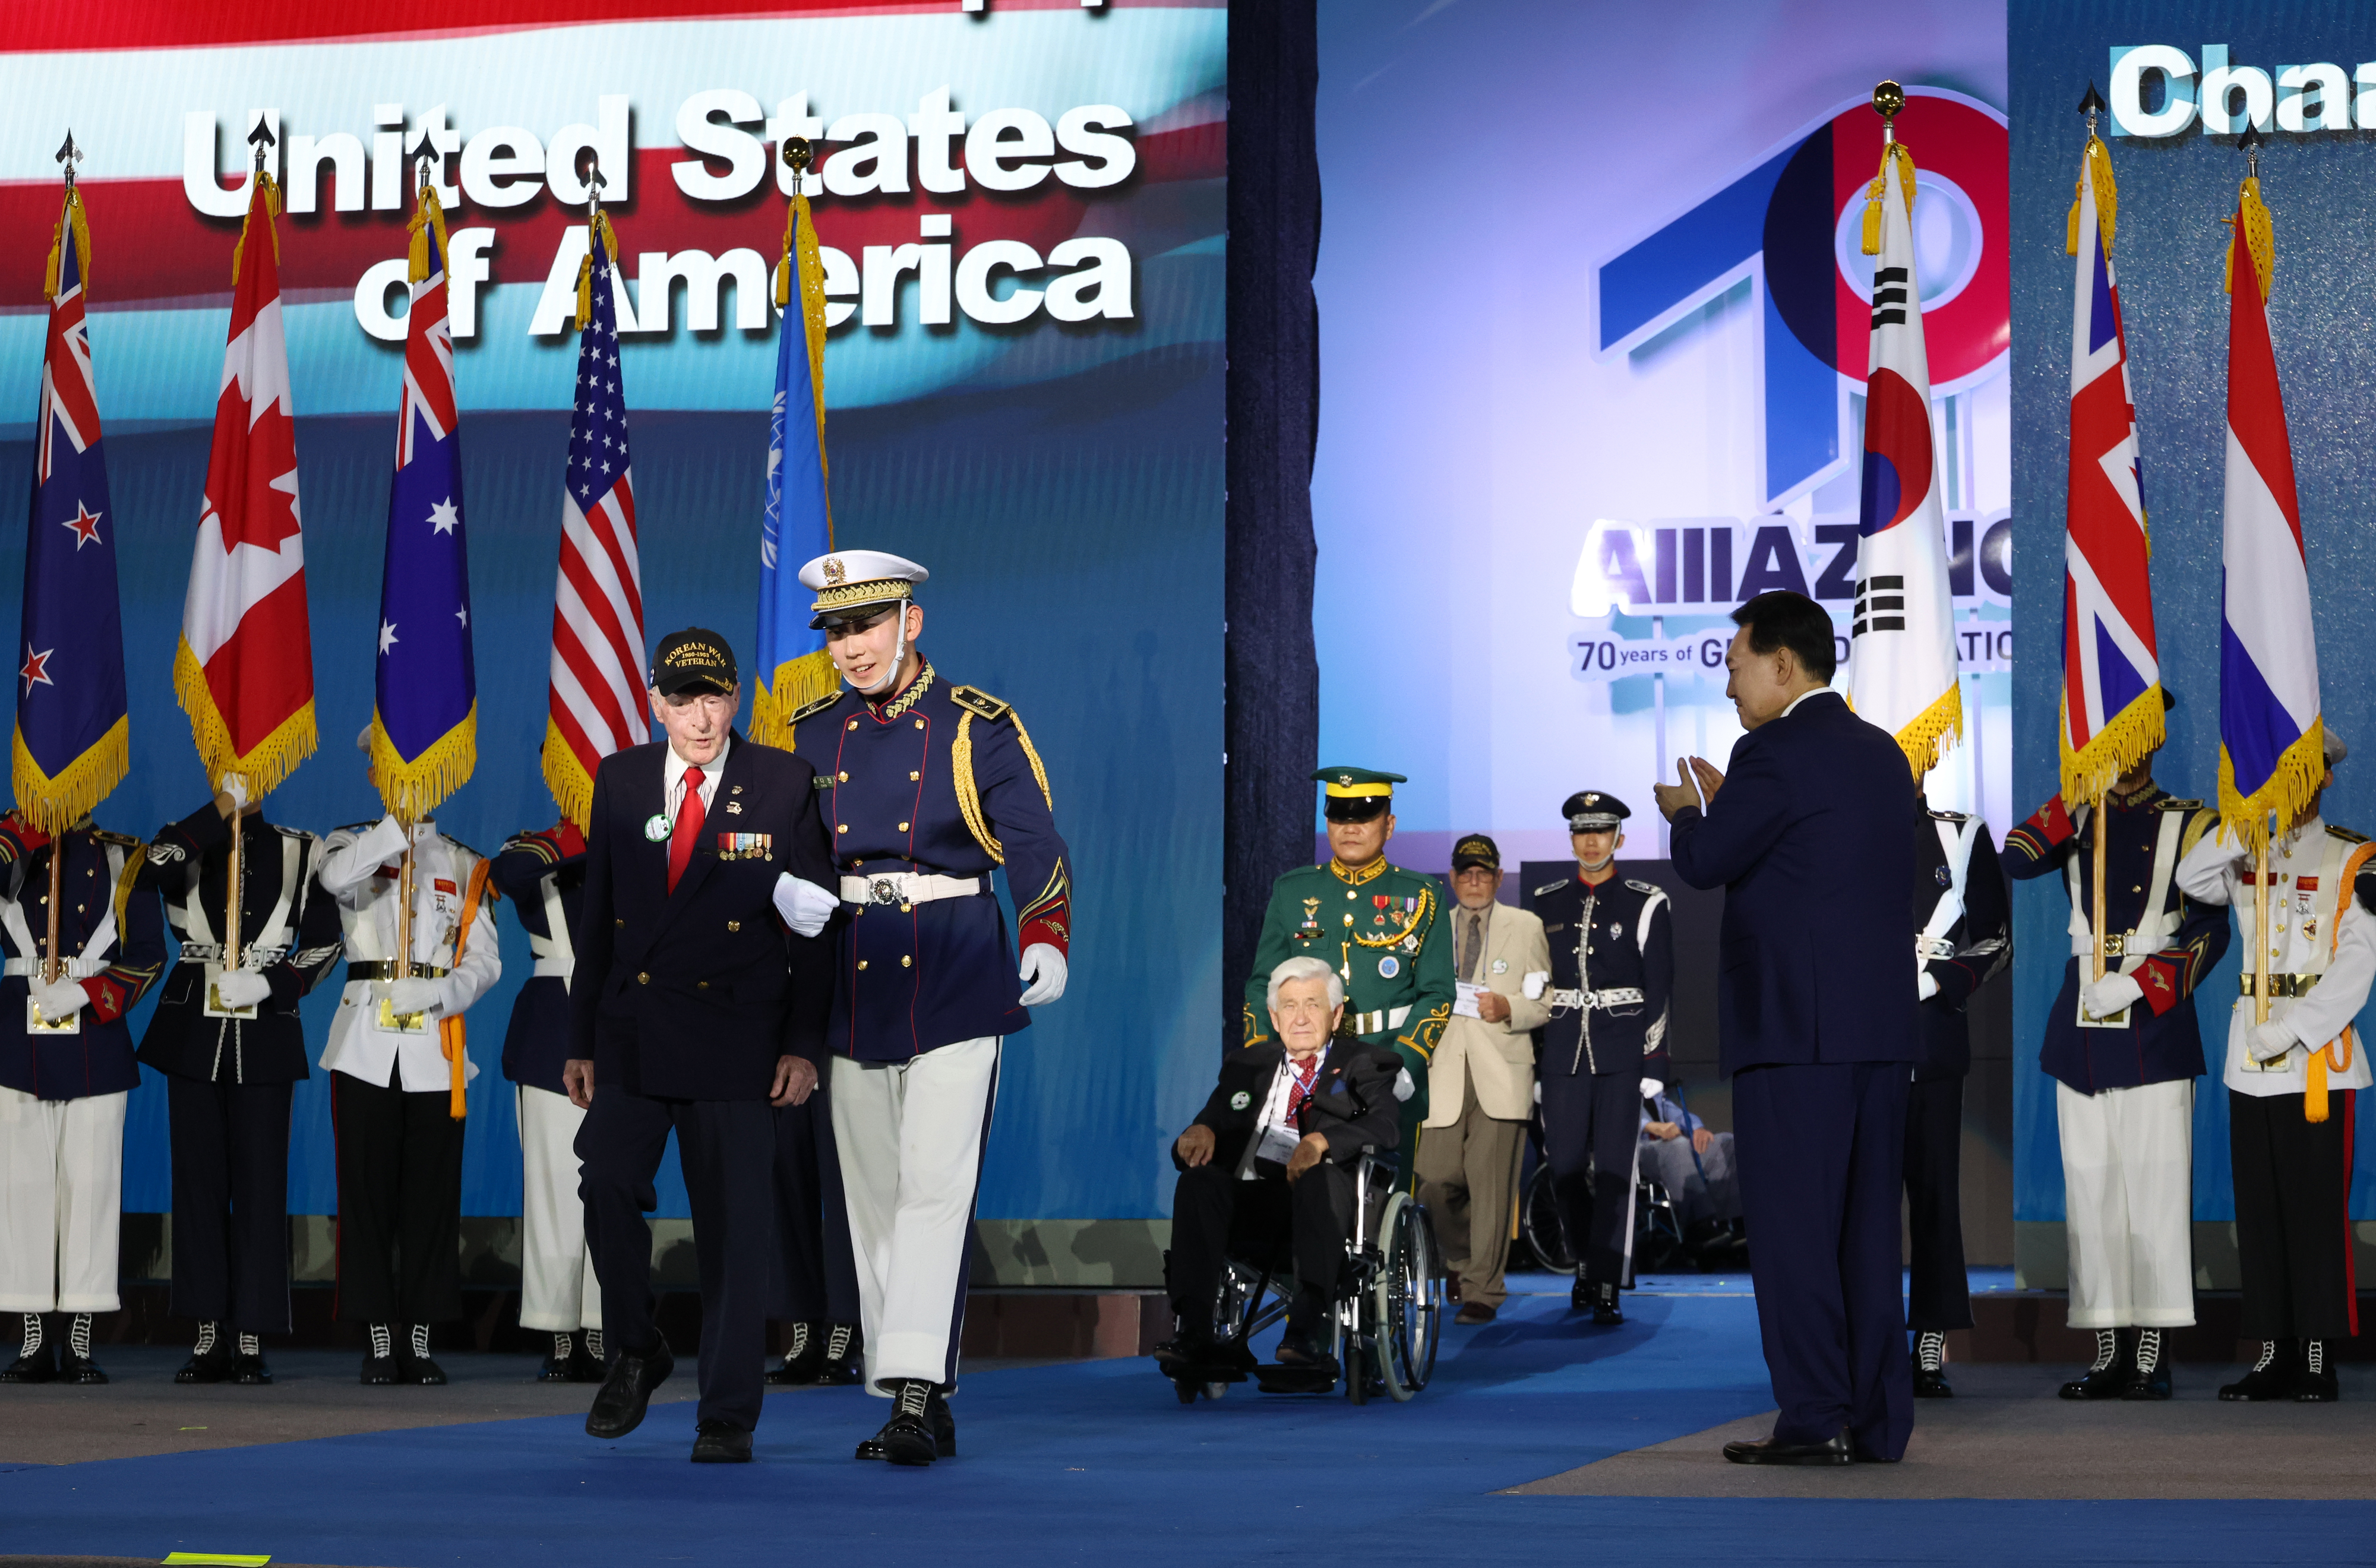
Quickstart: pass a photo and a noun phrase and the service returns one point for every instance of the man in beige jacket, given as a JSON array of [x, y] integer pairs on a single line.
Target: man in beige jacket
[[1481, 1082]]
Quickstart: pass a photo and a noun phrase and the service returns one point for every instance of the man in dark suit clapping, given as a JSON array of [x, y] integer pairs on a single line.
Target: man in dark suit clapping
[[1813, 840], [699, 999]]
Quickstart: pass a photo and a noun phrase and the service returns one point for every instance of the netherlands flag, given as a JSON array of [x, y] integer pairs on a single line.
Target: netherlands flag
[[2270, 743]]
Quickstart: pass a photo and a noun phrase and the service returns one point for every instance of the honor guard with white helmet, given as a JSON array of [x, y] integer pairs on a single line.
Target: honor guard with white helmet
[[543, 874], [2124, 1051], [1381, 927], [1604, 1050], [399, 1139], [227, 1036], [2292, 1083], [67, 1071], [928, 789]]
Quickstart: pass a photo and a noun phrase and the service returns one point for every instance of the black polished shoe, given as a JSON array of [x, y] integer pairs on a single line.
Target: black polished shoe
[[1930, 1359], [2149, 1370], [79, 1369], [380, 1371], [1833, 1450], [618, 1405], [554, 1368], [2272, 1376], [721, 1442], [584, 1365], [41, 1366], [250, 1371], [907, 1438], [2109, 1378], [1605, 1311], [1187, 1356], [2315, 1384], [803, 1360], [414, 1365], [1579, 1295], [845, 1358], [213, 1365]]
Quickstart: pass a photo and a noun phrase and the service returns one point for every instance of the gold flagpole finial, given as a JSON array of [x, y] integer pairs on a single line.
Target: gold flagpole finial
[[798, 153], [1888, 98]]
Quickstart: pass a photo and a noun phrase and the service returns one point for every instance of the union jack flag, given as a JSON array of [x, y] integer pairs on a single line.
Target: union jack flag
[[2111, 675], [596, 705], [72, 735]]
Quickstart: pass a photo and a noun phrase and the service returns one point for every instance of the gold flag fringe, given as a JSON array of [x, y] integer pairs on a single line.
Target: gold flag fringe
[[801, 252], [1875, 192], [271, 211], [610, 239], [427, 214], [2098, 159], [55, 804], [572, 787], [1923, 737], [273, 759], [2260, 236], [796, 683], [411, 789], [2127, 739], [2288, 788], [70, 215]]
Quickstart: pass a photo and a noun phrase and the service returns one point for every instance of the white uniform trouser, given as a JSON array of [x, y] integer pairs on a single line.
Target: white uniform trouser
[[60, 1202], [2128, 1183], [558, 1293], [910, 1135]]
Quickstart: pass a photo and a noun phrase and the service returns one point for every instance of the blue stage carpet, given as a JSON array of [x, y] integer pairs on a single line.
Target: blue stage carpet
[[1095, 1462]]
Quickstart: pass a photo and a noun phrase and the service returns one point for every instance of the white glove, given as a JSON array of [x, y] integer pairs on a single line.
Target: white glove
[[1653, 1087], [1532, 986], [59, 999], [414, 995], [1404, 1088], [243, 987], [2270, 1040], [805, 905], [1927, 987], [1044, 971], [1539, 1092], [2106, 996], [235, 785]]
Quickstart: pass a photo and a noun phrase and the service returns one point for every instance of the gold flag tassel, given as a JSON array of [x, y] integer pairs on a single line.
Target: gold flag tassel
[[71, 216], [2288, 788], [428, 216], [2108, 196], [609, 242], [271, 211], [2260, 236], [1874, 193]]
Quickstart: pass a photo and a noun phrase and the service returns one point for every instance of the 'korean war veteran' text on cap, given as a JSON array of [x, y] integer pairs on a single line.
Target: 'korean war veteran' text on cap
[[692, 659]]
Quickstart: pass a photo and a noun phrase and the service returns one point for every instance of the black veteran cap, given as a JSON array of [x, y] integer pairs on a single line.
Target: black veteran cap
[[1475, 850], [1589, 811], [1357, 794], [692, 659]]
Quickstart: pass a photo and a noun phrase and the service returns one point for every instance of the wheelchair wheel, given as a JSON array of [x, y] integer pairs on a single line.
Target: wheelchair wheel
[[1406, 1300], [1543, 1226]]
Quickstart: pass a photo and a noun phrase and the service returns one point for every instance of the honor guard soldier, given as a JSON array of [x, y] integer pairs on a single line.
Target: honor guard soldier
[[227, 1036], [699, 1003], [2124, 1053], [544, 875], [928, 789], [392, 1105], [66, 1070], [1382, 928], [1959, 888], [1604, 1050], [2291, 1083]]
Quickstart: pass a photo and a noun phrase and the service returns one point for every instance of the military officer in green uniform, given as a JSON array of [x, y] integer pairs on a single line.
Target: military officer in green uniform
[[1380, 926]]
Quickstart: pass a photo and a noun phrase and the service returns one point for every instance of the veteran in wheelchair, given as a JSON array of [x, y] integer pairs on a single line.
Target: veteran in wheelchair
[[1284, 1208]]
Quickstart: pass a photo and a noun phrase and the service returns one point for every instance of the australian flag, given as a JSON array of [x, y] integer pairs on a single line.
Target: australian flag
[[73, 731], [424, 723]]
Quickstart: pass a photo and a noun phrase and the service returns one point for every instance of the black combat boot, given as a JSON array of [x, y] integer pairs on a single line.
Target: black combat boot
[[2316, 1385], [2272, 1376], [2150, 1375], [2109, 1378], [1930, 1366]]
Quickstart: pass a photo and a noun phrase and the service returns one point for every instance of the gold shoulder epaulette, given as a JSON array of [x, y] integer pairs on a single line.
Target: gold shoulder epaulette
[[2172, 803], [2343, 832], [123, 838], [973, 699], [818, 706]]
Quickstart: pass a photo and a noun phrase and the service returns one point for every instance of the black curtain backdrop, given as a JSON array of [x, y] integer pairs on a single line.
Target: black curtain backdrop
[[1272, 668]]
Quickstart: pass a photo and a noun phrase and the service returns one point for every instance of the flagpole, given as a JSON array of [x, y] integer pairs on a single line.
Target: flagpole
[[55, 967], [232, 897], [2260, 918], [2103, 803]]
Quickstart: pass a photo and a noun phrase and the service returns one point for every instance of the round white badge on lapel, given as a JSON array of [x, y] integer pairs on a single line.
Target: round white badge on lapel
[[656, 828], [1389, 967], [1241, 1100]]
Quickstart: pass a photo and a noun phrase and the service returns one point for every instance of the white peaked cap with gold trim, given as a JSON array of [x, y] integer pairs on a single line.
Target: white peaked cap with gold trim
[[848, 578]]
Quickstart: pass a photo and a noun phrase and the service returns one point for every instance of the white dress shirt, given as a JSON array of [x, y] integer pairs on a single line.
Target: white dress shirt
[[354, 872], [1802, 696], [672, 782]]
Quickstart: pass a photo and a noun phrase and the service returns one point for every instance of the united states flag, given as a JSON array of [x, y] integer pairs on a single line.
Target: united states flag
[[597, 702]]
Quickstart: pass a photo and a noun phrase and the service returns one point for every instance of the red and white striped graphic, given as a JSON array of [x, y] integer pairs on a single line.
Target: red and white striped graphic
[[244, 671], [596, 705]]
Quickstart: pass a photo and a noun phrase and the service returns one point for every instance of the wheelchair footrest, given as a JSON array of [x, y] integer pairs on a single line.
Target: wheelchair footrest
[[1302, 1378]]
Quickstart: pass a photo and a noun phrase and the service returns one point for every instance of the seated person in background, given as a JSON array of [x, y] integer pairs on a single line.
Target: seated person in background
[[1695, 1167], [1269, 1160]]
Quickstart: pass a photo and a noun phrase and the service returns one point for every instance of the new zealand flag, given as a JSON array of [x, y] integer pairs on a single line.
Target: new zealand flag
[[424, 724], [72, 735]]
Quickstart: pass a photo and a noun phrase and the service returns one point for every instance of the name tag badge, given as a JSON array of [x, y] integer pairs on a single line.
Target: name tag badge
[[1278, 1141], [656, 828]]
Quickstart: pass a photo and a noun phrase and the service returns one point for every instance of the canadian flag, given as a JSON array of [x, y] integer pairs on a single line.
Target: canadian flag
[[244, 671]]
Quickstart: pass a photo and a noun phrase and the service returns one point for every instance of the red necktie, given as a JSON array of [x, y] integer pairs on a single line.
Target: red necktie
[[1301, 1090], [688, 828]]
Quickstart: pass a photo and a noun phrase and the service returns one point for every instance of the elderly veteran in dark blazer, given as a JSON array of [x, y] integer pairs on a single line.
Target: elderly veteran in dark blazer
[[1810, 834], [699, 999], [1269, 1160]]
